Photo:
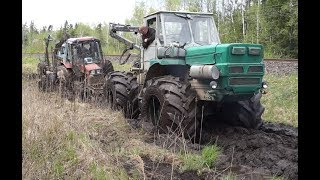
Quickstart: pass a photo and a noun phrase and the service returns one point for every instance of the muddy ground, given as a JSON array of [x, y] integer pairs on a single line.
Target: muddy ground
[[265, 153]]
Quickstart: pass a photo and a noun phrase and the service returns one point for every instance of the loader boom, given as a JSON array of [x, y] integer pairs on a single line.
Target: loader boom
[[114, 28]]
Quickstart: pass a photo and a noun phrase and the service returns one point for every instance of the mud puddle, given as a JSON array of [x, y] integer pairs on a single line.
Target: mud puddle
[[268, 152]]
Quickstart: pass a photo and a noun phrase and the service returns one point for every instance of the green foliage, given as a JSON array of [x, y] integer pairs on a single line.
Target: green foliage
[[281, 102], [98, 172], [58, 169], [172, 5], [229, 176], [209, 155], [29, 64], [138, 13], [194, 6], [124, 67], [281, 19], [272, 23], [192, 162], [277, 178]]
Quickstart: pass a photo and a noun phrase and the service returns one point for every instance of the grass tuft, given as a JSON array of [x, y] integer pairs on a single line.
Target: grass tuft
[[206, 159]]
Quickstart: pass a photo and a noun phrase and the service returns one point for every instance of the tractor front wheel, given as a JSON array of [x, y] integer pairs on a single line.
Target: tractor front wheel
[[171, 105], [244, 113], [120, 92]]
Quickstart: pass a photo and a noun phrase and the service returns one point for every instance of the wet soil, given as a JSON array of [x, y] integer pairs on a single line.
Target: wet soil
[[268, 152]]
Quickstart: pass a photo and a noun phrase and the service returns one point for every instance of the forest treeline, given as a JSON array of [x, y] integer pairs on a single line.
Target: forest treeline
[[272, 23]]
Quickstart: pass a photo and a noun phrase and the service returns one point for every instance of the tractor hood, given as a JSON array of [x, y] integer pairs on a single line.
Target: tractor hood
[[90, 67], [224, 53]]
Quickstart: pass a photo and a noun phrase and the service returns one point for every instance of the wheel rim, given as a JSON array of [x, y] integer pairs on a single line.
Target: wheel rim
[[154, 109]]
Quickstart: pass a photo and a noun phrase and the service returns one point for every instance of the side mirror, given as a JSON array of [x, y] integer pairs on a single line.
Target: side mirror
[[87, 60]]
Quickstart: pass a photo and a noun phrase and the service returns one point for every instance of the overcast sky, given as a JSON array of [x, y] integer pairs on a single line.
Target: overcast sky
[[92, 12]]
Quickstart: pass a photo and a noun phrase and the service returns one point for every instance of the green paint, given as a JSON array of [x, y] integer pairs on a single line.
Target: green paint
[[225, 57], [200, 55]]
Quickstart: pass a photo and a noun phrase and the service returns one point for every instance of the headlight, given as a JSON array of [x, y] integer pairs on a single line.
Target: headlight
[[215, 72], [238, 50], [254, 51], [92, 72], [213, 84], [98, 71], [264, 85]]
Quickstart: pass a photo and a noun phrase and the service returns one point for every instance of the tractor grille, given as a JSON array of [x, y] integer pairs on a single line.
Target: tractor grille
[[97, 79], [255, 69], [244, 81], [235, 69]]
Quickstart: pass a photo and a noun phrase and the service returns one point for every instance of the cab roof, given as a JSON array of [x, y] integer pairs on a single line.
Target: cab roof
[[180, 12], [79, 39]]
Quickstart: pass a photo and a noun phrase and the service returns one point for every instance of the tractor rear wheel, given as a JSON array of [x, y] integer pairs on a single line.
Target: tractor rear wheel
[[42, 83], [120, 92], [107, 67], [80, 91], [65, 83], [244, 113], [171, 105], [42, 79]]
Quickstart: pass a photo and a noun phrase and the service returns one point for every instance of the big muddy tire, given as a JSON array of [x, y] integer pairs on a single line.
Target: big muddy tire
[[121, 91], [65, 83], [42, 83], [170, 104], [244, 113], [107, 67], [80, 91], [42, 80]]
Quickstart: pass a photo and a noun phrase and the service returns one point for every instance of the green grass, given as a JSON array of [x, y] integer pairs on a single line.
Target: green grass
[[281, 101], [57, 136], [29, 64], [206, 159], [277, 178], [229, 176], [98, 172], [124, 67], [210, 154]]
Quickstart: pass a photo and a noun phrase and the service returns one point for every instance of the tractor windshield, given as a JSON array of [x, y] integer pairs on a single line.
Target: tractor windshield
[[195, 30], [88, 49]]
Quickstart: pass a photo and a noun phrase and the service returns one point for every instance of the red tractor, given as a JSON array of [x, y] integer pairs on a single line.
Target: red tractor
[[78, 68]]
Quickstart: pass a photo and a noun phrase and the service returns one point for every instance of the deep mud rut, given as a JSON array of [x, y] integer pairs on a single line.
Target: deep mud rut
[[265, 153]]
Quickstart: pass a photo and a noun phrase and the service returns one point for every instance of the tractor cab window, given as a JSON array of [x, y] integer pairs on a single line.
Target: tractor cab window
[[60, 53], [160, 32], [204, 31], [176, 29], [196, 30], [69, 55], [90, 49], [75, 53], [152, 23], [62, 49]]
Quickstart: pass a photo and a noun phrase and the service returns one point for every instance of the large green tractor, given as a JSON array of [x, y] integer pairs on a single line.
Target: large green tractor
[[186, 74]]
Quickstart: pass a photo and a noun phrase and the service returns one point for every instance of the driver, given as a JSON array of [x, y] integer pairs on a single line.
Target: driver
[[84, 51], [148, 35]]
